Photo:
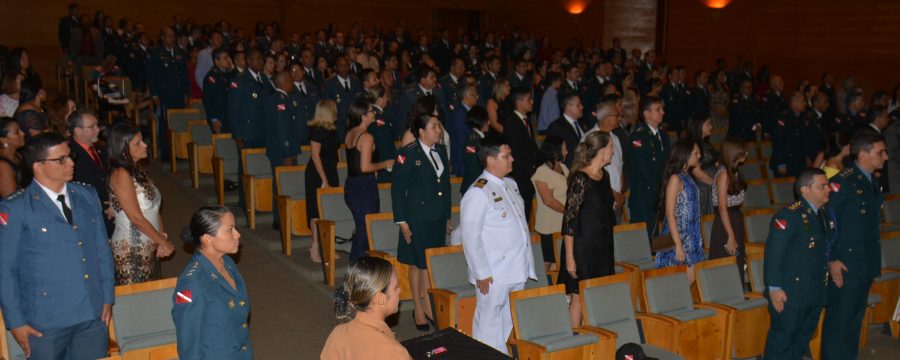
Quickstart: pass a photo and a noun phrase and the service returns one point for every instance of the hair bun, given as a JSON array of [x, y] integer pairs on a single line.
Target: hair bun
[[186, 235], [344, 310]]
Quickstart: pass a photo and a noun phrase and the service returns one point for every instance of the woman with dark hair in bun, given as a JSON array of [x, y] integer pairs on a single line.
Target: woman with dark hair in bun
[[370, 294], [211, 304]]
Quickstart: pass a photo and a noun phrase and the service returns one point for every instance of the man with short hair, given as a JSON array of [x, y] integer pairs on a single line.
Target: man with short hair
[[773, 104], [246, 94], [520, 76], [66, 24], [795, 271], [495, 240], [549, 110], [520, 136], [425, 87], [205, 58], [743, 112], [307, 95], [167, 79], [312, 74], [788, 156], [674, 97], [90, 161], [282, 131], [343, 88], [698, 96], [647, 157], [607, 115], [458, 129], [450, 85], [856, 254], [567, 126], [488, 79], [57, 283], [215, 91]]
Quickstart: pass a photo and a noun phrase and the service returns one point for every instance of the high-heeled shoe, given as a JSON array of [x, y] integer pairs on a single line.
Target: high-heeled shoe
[[420, 327], [431, 321]]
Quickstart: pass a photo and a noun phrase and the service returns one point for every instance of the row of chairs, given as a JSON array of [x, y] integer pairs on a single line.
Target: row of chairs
[[141, 326]]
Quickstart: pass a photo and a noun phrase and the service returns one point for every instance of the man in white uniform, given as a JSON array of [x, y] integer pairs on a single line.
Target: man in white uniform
[[496, 244]]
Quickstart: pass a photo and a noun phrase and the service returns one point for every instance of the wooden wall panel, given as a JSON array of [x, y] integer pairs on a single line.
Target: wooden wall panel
[[632, 21], [798, 39]]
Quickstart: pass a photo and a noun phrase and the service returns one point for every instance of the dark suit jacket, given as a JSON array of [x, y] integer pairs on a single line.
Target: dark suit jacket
[[335, 91], [66, 24], [87, 171], [560, 127], [524, 150]]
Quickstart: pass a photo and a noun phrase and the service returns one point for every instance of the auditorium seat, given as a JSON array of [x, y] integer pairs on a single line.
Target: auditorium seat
[[540, 272], [142, 318], [452, 296], [706, 225], [756, 227], [765, 149], [675, 323], [608, 312], [541, 327], [385, 201], [719, 284], [340, 227], [257, 182], [383, 235], [782, 192], [197, 104], [200, 151], [753, 169], [9, 348], [305, 155], [168, 352], [757, 195], [225, 165], [631, 248], [454, 217], [455, 191], [890, 213], [342, 173], [290, 183], [179, 134], [887, 285]]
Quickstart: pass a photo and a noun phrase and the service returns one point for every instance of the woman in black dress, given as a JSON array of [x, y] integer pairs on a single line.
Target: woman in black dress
[[321, 170], [588, 220], [11, 139], [699, 129]]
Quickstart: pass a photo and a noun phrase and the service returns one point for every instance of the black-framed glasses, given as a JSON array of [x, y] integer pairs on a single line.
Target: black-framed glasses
[[62, 159]]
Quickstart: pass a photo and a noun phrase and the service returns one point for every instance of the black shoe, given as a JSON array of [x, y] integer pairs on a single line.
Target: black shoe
[[275, 226], [420, 327], [431, 321]]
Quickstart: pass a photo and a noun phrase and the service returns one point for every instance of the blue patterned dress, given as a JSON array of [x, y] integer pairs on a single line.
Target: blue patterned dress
[[687, 218]]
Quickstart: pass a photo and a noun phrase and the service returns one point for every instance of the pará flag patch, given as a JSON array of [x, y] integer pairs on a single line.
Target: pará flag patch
[[233, 85], [401, 159], [470, 149], [379, 122], [281, 107], [212, 79], [4, 218], [637, 143], [781, 224], [183, 297], [835, 187]]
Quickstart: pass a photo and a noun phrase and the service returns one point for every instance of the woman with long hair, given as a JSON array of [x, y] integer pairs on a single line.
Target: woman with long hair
[[11, 140], [370, 293], [497, 106], [58, 113], [138, 240], [679, 209], [699, 130], [361, 187], [719, 99], [587, 227], [550, 181], [727, 238], [321, 170], [837, 147]]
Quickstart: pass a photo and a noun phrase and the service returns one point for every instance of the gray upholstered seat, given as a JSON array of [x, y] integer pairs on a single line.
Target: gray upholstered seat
[[384, 235], [454, 218], [633, 247], [198, 105], [539, 271], [544, 321], [450, 272], [258, 165], [659, 353], [293, 184], [201, 135], [888, 276], [756, 274], [782, 193], [756, 196], [609, 307], [890, 253], [757, 227], [178, 121], [751, 170], [766, 149], [334, 208], [722, 285], [303, 157], [15, 351], [706, 232], [228, 151], [144, 320], [455, 193], [874, 299], [342, 174], [386, 203], [671, 295]]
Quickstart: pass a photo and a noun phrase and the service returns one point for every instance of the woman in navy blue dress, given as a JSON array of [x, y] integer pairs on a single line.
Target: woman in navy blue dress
[[681, 209]]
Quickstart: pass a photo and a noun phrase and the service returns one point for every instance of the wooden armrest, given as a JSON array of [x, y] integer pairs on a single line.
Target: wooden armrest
[[656, 318], [442, 294], [628, 267], [659, 330], [114, 348], [889, 270], [600, 332], [383, 255], [715, 306], [606, 341], [527, 349], [444, 304], [754, 295]]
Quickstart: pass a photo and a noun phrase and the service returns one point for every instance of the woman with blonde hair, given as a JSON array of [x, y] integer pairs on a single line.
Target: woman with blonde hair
[[588, 219], [727, 237], [370, 293], [321, 170], [496, 105]]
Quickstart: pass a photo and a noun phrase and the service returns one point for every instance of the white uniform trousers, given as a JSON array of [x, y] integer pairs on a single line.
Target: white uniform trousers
[[492, 323]]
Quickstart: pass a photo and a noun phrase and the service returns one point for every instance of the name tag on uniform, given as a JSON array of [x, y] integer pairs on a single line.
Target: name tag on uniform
[[498, 199]]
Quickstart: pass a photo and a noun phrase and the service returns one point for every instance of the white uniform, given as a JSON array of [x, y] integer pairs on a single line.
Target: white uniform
[[495, 240]]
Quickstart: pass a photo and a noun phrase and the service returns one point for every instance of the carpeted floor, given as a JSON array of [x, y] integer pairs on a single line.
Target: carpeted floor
[[292, 311]]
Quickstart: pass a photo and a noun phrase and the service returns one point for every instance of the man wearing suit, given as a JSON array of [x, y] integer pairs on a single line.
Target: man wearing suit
[[215, 92], [567, 127], [772, 105], [206, 58], [498, 251], [343, 89], [312, 74], [167, 78], [698, 96], [246, 96], [520, 136], [743, 112], [674, 97], [57, 282], [795, 269], [486, 82], [788, 155], [520, 77], [616, 49], [90, 161], [570, 84], [856, 255], [594, 88], [282, 131], [66, 24], [459, 130], [450, 86], [136, 64], [322, 48], [425, 87], [307, 95], [647, 159]]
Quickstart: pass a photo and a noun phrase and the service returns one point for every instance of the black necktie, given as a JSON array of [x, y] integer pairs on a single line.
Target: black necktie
[[659, 138], [433, 160], [66, 211], [346, 85]]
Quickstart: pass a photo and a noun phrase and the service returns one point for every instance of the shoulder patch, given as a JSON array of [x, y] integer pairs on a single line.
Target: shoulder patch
[[184, 297], [480, 183], [410, 146], [846, 172], [780, 224], [796, 205], [15, 194]]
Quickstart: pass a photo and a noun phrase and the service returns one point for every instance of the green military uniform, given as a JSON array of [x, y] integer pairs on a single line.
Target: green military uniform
[[282, 133], [787, 144], [384, 142], [472, 165], [857, 202], [421, 198], [647, 160], [215, 97], [450, 92], [797, 263]]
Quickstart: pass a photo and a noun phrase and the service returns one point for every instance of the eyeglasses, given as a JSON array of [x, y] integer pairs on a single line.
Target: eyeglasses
[[94, 126], [62, 159]]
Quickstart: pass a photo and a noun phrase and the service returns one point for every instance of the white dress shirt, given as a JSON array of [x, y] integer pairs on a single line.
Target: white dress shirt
[[53, 195]]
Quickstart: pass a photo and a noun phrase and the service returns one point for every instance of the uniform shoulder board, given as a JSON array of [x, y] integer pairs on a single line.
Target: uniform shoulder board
[[193, 269], [410, 146], [639, 129], [795, 206], [89, 186], [846, 172], [15, 194], [480, 183]]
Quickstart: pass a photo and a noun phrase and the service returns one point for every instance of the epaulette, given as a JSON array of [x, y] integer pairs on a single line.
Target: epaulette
[[410, 146], [480, 183], [89, 186], [846, 172], [192, 269], [14, 195], [639, 129], [795, 206]]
